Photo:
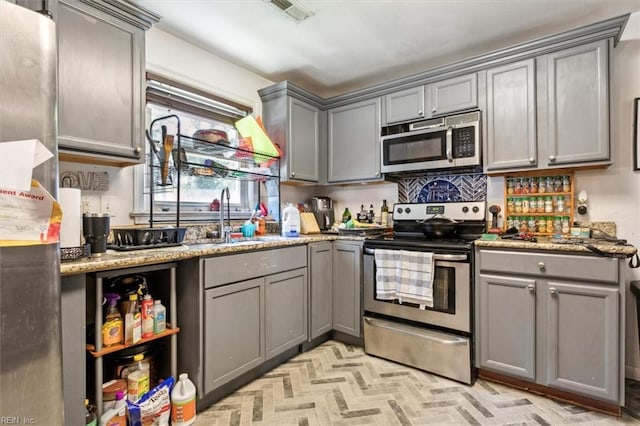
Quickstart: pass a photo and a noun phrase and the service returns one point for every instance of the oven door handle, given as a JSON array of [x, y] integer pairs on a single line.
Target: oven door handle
[[443, 257], [424, 334]]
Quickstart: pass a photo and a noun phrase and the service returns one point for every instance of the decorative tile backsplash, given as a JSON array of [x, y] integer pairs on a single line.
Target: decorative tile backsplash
[[443, 188]]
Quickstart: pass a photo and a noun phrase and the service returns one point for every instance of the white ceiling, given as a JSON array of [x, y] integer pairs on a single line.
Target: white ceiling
[[350, 44]]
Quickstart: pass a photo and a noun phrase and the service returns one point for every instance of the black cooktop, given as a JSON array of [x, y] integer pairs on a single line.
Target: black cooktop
[[420, 242]]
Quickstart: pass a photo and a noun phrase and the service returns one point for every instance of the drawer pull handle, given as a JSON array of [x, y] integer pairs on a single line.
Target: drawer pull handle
[[531, 288], [553, 290], [541, 265]]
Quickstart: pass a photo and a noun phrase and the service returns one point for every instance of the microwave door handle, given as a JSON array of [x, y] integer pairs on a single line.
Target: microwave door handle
[[449, 144]]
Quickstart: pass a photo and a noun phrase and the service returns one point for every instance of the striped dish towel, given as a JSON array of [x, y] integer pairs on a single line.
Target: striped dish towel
[[415, 277], [387, 262]]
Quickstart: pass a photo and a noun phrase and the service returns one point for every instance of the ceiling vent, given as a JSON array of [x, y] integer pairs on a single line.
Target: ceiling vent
[[293, 9]]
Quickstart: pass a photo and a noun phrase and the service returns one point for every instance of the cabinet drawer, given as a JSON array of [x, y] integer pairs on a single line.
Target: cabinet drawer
[[550, 265], [244, 266]]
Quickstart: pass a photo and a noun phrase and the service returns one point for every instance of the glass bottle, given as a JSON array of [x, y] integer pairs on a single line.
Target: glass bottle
[[557, 225], [566, 227], [509, 222], [533, 224], [560, 204], [518, 205], [346, 215], [525, 205], [384, 214], [540, 205], [511, 205], [517, 188], [533, 204], [549, 224], [510, 186], [550, 187], [533, 185], [516, 222], [525, 186], [566, 184], [557, 184], [548, 205]]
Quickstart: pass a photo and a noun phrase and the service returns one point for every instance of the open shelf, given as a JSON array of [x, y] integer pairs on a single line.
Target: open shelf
[[115, 348]]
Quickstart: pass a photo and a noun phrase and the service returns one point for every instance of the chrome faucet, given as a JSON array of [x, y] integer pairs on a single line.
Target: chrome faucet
[[225, 231]]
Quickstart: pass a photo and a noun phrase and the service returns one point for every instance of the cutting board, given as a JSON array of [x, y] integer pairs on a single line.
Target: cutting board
[[308, 224]]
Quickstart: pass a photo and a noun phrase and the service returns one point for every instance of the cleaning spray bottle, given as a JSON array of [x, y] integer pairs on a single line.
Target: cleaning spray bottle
[[113, 327]]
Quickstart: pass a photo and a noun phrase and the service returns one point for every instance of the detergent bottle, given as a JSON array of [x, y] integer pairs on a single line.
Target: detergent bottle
[[290, 221], [113, 327]]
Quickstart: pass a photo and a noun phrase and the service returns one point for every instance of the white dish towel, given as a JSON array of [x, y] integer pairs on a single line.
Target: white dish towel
[[415, 277], [387, 262], [404, 275]]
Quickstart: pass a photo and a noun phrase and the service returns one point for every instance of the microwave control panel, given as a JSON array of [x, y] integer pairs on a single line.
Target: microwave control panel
[[464, 144]]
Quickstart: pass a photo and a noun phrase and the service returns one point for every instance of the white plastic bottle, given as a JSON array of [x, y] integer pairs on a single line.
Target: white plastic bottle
[[116, 416], [183, 402], [138, 378], [290, 221], [159, 317]]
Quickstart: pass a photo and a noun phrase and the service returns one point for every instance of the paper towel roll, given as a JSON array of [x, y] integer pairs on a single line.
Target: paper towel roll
[[71, 217]]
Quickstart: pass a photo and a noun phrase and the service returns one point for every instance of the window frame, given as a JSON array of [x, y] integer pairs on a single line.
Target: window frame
[[180, 98]]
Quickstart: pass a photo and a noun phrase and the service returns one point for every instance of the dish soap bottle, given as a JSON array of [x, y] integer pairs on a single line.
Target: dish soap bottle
[[113, 327]]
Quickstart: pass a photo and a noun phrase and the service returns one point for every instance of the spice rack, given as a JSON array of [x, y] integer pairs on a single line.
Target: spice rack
[[540, 202]]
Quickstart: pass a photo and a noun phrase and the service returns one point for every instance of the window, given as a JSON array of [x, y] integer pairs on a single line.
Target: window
[[197, 110]]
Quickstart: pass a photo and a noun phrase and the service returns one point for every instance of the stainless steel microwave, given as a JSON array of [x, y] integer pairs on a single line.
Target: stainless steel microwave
[[441, 143]]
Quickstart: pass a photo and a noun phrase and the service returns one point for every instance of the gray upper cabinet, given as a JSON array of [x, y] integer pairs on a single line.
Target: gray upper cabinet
[[347, 279], [510, 117], [354, 142], [298, 126], [320, 288], [552, 319], [454, 94], [404, 105], [101, 61], [576, 102]]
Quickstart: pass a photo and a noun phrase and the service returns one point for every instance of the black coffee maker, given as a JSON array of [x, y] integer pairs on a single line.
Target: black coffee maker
[[322, 208]]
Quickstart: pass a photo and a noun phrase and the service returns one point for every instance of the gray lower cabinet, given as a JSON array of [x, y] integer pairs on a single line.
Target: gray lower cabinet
[[320, 288], [552, 319], [510, 117], [347, 281], [354, 142], [234, 331], [576, 100], [286, 310]]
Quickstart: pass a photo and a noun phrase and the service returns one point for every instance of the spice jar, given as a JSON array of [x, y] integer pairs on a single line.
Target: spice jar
[[533, 204], [525, 186], [542, 225], [511, 184], [517, 205], [557, 225], [549, 224], [533, 224], [540, 208], [548, 205], [560, 204], [550, 187], [557, 184], [525, 205], [524, 225], [542, 185], [509, 222], [517, 186], [511, 205], [566, 184], [565, 225], [533, 185], [516, 222]]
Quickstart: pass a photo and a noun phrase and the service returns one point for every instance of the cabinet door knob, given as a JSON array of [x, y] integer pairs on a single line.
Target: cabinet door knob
[[552, 158], [293, 174], [138, 149], [541, 265], [531, 288], [553, 290], [434, 110], [532, 160], [420, 112]]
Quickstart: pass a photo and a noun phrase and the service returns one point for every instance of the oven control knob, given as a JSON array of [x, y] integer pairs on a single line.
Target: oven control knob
[[399, 210], [465, 209], [475, 209], [407, 210]]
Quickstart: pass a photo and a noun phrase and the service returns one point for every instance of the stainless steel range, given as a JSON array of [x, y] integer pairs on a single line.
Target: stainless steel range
[[434, 335]]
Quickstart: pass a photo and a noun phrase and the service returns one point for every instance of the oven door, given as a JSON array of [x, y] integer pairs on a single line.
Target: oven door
[[451, 294]]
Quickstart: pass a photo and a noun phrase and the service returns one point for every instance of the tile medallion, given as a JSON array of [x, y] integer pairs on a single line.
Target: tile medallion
[[443, 189]]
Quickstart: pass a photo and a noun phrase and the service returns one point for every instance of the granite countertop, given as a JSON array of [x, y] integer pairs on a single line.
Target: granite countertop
[[568, 246], [113, 259]]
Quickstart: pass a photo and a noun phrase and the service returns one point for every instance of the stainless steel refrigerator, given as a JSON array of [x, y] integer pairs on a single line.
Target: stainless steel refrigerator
[[30, 331]]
